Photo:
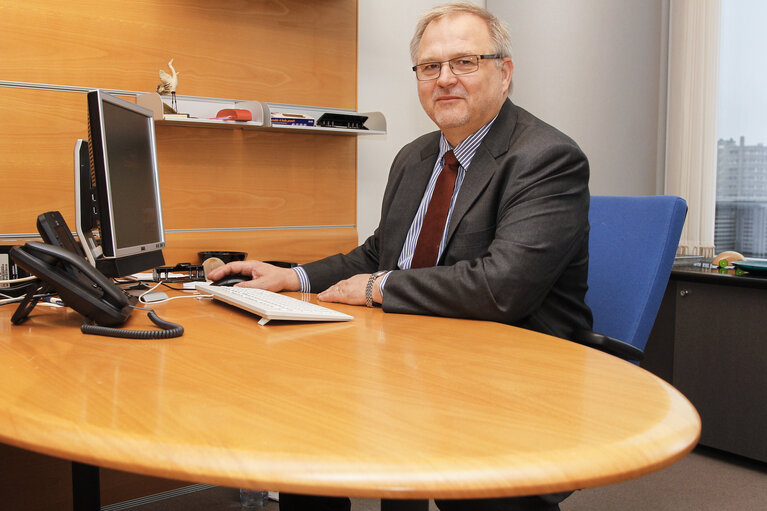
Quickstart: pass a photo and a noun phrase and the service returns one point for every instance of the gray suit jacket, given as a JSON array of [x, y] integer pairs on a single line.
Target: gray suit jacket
[[517, 248]]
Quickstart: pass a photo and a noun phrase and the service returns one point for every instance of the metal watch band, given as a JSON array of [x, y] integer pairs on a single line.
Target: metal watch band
[[369, 288]]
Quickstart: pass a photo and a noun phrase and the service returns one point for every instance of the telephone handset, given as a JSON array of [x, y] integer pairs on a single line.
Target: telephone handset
[[85, 289], [55, 231], [79, 284]]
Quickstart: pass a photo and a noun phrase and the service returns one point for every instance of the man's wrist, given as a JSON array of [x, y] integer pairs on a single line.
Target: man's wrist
[[303, 279], [372, 293], [378, 288]]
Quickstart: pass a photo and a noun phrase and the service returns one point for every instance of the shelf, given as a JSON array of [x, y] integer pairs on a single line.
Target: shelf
[[202, 112]]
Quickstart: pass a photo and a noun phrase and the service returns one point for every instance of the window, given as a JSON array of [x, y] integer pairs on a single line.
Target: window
[[741, 181]]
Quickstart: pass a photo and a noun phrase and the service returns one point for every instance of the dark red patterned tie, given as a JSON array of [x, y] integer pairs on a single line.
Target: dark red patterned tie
[[427, 248]]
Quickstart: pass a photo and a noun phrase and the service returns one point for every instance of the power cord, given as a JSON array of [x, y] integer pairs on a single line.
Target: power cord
[[13, 290], [143, 300], [17, 281], [17, 299]]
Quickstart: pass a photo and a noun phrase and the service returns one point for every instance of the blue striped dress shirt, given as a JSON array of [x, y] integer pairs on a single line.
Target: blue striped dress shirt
[[464, 153]]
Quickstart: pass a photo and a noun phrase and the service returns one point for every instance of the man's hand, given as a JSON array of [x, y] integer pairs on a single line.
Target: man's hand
[[263, 275], [351, 291]]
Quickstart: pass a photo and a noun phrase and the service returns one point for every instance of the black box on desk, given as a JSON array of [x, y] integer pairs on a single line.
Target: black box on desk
[[9, 270]]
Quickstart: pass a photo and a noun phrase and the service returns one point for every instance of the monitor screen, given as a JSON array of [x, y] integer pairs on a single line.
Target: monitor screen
[[123, 163]]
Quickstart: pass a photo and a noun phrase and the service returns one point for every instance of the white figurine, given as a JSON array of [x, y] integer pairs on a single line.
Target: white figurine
[[169, 83]]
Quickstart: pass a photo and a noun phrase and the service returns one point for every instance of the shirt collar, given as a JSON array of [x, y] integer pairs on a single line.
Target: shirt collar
[[465, 151]]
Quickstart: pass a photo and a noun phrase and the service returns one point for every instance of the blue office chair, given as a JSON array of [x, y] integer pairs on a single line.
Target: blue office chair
[[632, 245]]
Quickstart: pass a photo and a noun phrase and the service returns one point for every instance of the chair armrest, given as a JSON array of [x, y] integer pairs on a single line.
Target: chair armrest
[[607, 344]]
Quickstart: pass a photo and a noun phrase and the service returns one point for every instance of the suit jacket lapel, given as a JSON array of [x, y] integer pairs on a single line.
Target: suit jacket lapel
[[484, 164], [405, 204]]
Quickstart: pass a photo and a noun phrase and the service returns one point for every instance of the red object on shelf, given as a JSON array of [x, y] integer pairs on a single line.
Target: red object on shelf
[[234, 114]]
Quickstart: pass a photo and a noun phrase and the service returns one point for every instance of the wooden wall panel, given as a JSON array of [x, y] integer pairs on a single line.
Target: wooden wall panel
[[210, 178], [37, 138], [36, 482], [277, 245], [284, 51], [280, 51], [246, 178]]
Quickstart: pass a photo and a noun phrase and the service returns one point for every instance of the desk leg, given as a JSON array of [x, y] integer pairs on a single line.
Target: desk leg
[[404, 505], [85, 487]]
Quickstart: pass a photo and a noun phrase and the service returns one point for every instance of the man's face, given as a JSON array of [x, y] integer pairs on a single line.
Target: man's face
[[462, 104]]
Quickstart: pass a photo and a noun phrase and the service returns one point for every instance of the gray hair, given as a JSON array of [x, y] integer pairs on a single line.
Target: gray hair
[[499, 32]]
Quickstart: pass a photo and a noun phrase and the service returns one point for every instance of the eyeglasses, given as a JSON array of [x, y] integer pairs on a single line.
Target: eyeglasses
[[459, 66]]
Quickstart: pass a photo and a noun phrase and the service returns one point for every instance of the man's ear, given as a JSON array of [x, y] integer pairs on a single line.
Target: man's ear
[[507, 70]]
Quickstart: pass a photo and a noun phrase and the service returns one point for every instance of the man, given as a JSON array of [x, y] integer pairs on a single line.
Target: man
[[513, 247]]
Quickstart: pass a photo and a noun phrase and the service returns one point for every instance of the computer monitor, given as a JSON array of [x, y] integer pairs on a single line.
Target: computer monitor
[[118, 189]]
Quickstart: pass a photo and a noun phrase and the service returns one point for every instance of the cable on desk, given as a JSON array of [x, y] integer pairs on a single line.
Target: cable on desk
[[164, 300], [17, 281], [169, 330], [15, 289], [17, 299]]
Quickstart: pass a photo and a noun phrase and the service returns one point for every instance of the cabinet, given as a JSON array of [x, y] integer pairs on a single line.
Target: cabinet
[[709, 341]]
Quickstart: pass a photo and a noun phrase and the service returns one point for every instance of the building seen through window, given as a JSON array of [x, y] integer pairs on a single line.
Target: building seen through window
[[741, 198], [741, 184]]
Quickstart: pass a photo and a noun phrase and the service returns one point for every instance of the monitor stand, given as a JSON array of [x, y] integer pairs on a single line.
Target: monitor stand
[[126, 265]]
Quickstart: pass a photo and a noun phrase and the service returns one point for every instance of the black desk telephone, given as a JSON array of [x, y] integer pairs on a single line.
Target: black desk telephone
[[80, 286], [78, 283]]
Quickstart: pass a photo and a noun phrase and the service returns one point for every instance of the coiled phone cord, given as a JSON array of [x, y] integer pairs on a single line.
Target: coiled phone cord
[[169, 330]]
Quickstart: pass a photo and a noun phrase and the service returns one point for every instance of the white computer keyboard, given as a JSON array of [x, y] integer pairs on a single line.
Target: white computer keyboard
[[271, 305]]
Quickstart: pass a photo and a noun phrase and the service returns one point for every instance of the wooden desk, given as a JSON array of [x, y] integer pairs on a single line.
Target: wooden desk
[[391, 406]]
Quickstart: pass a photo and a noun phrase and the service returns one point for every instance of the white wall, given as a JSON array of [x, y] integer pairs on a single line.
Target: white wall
[[596, 69], [593, 68], [386, 83]]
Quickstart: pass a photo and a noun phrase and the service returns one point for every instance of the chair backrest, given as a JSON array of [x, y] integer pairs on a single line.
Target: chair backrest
[[632, 245]]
